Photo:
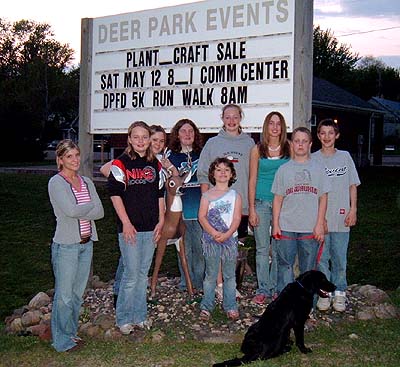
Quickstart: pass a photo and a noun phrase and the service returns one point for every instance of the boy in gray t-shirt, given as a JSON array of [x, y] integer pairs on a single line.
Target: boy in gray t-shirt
[[341, 213], [298, 211]]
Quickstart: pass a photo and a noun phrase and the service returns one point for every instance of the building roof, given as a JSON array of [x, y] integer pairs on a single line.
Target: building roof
[[327, 94], [390, 107]]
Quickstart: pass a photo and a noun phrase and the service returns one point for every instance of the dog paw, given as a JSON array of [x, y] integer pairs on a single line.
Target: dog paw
[[304, 349]]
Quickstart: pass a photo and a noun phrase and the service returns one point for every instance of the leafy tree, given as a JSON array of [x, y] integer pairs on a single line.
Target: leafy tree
[[35, 86], [365, 77], [332, 61], [373, 78]]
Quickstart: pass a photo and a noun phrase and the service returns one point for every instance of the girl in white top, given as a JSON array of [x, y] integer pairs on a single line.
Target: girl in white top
[[220, 214]]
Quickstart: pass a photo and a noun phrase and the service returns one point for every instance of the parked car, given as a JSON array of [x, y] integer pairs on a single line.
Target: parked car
[[390, 148]]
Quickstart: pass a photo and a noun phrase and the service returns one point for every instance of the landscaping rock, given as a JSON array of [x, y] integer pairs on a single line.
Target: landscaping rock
[[175, 311], [377, 296], [20, 311], [94, 331], [42, 330], [372, 294], [157, 336], [50, 292], [113, 334], [31, 318], [105, 321], [16, 326], [40, 300], [47, 316], [137, 336], [364, 289], [385, 311], [366, 314]]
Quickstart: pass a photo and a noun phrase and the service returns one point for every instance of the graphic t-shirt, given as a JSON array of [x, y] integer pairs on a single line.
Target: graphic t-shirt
[[136, 181], [342, 173], [301, 185]]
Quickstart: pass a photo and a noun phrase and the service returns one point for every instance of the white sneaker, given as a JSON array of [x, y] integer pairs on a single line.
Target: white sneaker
[[324, 304], [145, 325], [339, 301], [126, 329]]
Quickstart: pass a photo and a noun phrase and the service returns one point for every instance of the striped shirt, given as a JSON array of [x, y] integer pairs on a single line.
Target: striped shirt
[[82, 197]]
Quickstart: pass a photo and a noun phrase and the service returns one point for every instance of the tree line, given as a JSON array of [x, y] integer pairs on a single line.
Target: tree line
[[365, 77], [39, 84], [39, 88]]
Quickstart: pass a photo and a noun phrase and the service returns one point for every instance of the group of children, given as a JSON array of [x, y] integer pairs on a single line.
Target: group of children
[[314, 205], [313, 197], [311, 200]]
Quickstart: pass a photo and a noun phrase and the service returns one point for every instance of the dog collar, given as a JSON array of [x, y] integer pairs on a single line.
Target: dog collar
[[302, 286]]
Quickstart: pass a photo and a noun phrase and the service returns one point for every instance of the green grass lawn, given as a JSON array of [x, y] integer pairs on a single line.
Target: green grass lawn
[[27, 224], [376, 345], [374, 253], [26, 227]]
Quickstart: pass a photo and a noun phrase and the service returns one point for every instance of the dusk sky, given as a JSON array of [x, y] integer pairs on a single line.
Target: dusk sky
[[370, 27]]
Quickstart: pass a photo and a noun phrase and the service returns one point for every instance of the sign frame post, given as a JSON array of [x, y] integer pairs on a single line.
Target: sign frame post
[[85, 137]]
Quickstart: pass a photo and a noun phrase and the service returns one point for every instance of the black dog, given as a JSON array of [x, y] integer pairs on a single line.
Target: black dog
[[270, 336]]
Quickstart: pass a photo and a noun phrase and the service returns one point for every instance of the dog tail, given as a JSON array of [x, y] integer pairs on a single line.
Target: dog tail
[[229, 363]]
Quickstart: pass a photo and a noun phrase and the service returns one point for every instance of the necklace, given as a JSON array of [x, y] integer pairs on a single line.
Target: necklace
[[274, 149]]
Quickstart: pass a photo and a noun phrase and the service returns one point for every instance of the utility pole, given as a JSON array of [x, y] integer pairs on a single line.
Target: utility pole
[[303, 63]]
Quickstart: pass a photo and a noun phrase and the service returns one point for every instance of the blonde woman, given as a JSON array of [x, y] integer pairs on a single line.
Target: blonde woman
[[76, 205]]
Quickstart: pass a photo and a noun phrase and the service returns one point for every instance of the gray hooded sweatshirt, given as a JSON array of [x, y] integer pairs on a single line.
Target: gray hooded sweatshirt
[[236, 149]]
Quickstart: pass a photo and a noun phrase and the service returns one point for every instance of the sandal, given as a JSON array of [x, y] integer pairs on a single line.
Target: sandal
[[232, 315], [204, 315]]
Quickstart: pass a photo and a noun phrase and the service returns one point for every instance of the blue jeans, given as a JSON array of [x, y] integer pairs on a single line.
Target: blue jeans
[[335, 251], [266, 275], [194, 255], [132, 302], [286, 250], [71, 267], [118, 276], [210, 281]]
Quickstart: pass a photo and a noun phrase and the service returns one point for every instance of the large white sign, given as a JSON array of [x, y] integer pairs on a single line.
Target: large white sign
[[188, 61]]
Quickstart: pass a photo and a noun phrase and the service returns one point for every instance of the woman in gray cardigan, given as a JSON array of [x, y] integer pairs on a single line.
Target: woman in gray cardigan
[[76, 205]]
